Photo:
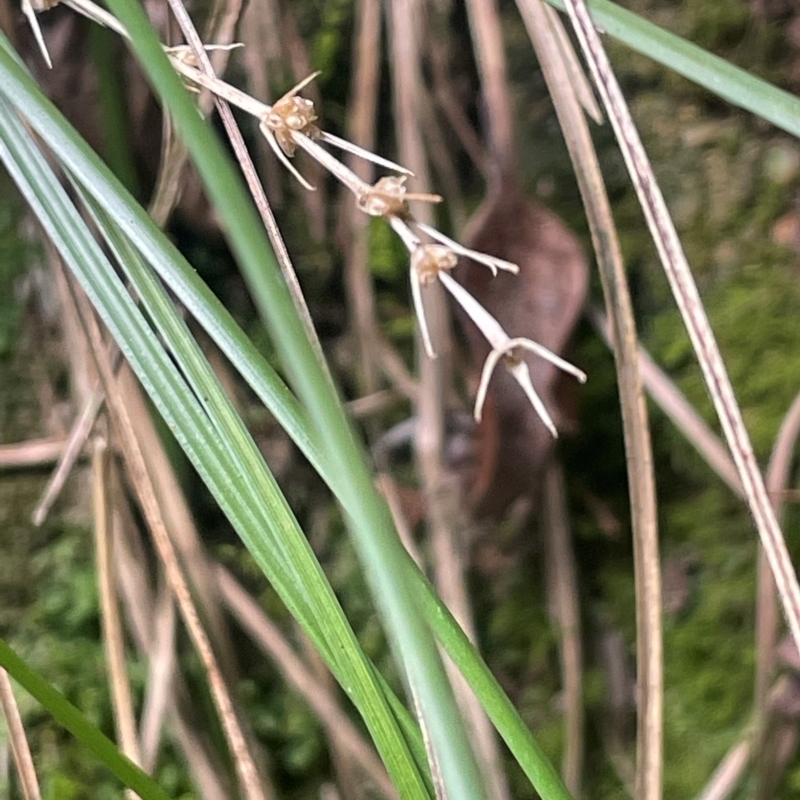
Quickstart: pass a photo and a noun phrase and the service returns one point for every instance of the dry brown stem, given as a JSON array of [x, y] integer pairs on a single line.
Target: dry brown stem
[[649, 766], [561, 572], [32, 453], [684, 416], [113, 636], [151, 622], [767, 615], [69, 455], [20, 750], [361, 130], [404, 26]]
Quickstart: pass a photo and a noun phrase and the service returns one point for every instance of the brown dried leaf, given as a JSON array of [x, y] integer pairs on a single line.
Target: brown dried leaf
[[542, 303]]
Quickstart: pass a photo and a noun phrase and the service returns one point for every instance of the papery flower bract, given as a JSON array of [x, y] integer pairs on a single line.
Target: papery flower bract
[[510, 350], [388, 197], [185, 55], [30, 9], [428, 261], [291, 114], [349, 147], [492, 262]]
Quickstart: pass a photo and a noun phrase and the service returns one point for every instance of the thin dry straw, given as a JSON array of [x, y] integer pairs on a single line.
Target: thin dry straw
[[361, 127], [406, 80], [767, 616], [666, 395], [20, 749], [649, 766], [111, 621], [32, 453], [688, 299]]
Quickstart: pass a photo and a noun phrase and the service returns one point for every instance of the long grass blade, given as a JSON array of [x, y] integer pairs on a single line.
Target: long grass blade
[[71, 718], [713, 73], [252, 500], [370, 523]]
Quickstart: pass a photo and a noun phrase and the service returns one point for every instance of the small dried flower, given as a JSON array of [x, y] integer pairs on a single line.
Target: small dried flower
[[290, 115], [389, 198], [386, 198], [428, 260], [493, 263]]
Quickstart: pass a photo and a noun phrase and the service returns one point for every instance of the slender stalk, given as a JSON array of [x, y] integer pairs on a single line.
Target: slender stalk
[[434, 374], [563, 579], [728, 774], [669, 398], [80, 431], [20, 749], [361, 131], [32, 453], [113, 636], [253, 184], [639, 459]]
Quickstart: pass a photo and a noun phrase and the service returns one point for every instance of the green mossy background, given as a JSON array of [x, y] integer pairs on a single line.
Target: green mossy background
[[727, 179]]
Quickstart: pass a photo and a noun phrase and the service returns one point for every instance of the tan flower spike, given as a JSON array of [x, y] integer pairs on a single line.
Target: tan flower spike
[[291, 123]]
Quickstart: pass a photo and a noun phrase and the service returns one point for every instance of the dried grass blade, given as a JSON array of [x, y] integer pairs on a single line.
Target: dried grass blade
[[694, 316], [32, 453], [160, 674], [666, 395], [649, 646], [577, 77], [142, 608], [20, 750], [447, 519], [69, 456], [354, 227], [442, 497], [113, 636], [563, 593], [727, 775]]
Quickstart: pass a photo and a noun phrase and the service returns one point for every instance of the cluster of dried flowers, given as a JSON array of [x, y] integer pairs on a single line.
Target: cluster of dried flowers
[[291, 122]]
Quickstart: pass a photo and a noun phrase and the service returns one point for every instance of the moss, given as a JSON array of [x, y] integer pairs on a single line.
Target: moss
[[715, 25], [15, 254]]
